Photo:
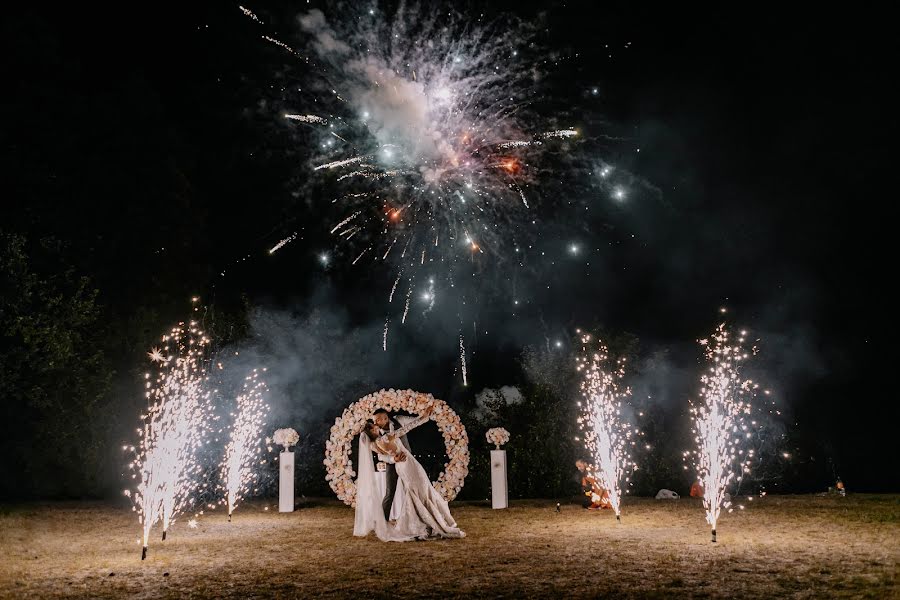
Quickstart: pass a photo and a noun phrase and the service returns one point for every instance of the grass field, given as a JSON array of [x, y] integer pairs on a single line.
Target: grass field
[[780, 546]]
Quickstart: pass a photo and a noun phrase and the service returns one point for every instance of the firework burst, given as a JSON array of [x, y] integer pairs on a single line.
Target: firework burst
[[178, 395], [608, 436], [246, 441], [424, 124], [722, 420]]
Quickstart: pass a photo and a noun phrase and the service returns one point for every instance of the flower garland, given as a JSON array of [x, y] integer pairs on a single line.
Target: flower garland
[[339, 467]]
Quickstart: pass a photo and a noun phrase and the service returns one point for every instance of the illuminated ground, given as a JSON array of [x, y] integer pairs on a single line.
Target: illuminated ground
[[801, 547]]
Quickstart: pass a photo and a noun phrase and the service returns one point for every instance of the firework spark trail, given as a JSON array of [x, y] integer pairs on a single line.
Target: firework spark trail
[[719, 421], [345, 221], [559, 133], [522, 195], [607, 435], [388, 251], [246, 441], [406, 307], [394, 288], [250, 14], [341, 163], [281, 244], [351, 196], [372, 175], [175, 424], [306, 118], [387, 323], [462, 361], [281, 44], [517, 144], [356, 260], [354, 174]]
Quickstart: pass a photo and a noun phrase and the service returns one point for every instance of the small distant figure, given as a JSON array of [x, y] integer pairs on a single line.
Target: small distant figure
[[696, 490], [840, 487], [558, 508], [596, 498]]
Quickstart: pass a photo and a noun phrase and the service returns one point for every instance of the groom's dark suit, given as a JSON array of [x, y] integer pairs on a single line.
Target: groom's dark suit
[[390, 488]]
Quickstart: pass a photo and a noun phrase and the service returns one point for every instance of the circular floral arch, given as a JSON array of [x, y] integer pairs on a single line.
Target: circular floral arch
[[339, 466]]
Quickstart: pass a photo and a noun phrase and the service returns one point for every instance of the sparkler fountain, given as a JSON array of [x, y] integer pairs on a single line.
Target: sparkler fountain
[[245, 444], [607, 434], [174, 426], [719, 420]]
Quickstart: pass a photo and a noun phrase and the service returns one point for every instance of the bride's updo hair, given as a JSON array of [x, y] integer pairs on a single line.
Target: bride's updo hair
[[370, 429]]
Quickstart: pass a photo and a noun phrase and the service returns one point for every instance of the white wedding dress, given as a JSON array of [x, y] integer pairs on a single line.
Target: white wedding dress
[[425, 514]]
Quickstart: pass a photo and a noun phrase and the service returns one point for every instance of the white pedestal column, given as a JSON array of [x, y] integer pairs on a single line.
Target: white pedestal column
[[286, 482], [499, 496]]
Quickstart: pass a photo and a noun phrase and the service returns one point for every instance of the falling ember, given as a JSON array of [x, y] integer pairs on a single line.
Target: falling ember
[[175, 422], [719, 421], [245, 443], [607, 436]]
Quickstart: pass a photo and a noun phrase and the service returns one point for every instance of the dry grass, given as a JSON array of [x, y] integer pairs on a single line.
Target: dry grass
[[800, 547]]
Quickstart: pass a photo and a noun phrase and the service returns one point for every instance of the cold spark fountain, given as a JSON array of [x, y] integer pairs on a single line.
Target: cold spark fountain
[[721, 420], [178, 396], [246, 441], [608, 436]]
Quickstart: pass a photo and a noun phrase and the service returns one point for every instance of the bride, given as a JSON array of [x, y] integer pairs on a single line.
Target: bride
[[425, 513]]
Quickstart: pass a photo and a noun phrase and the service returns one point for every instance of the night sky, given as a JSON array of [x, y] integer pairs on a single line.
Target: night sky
[[755, 143]]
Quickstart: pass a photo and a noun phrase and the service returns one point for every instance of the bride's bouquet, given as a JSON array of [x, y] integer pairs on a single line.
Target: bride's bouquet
[[497, 436], [286, 437]]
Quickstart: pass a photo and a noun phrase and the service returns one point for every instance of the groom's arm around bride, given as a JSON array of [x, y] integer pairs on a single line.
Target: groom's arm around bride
[[388, 423]]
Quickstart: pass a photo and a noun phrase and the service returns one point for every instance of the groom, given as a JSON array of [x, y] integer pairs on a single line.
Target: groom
[[388, 424]]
